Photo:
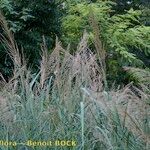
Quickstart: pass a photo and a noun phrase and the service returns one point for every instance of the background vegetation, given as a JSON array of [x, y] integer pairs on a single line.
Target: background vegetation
[[123, 30], [92, 87]]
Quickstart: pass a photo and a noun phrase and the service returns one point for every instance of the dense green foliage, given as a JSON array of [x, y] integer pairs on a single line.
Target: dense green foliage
[[122, 26], [29, 20], [93, 87], [125, 38]]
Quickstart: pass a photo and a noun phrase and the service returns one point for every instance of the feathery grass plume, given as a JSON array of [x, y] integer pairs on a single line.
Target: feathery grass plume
[[100, 50], [44, 61], [61, 64], [85, 68], [83, 43], [50, 63], [11, 46], [17, 56], [97, 41]]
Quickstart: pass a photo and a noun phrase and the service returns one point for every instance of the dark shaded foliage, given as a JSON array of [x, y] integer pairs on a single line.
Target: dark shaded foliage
[[29, 20]]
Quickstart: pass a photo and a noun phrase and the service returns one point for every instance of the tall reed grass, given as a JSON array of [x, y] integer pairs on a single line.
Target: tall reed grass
[[66, 100]]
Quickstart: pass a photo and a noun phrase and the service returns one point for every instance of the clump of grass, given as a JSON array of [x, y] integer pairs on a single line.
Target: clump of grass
[[11, 46], [67, 100]]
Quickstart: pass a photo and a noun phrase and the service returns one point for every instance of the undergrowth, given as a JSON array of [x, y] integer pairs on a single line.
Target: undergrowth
[[67, 100]]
